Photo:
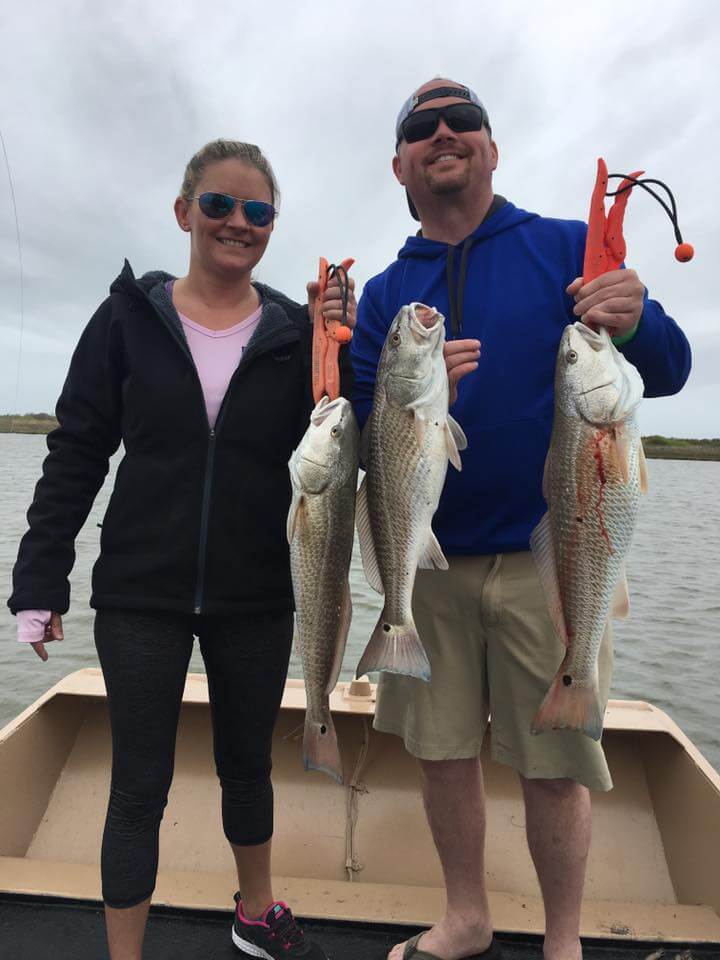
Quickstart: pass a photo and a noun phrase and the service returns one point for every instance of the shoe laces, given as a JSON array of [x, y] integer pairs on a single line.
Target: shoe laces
[[284, 925]]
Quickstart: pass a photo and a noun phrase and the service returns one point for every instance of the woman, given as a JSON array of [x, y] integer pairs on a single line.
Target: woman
[[206, 381]]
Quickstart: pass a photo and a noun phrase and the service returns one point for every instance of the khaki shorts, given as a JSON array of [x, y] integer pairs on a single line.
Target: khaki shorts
[[492, 650]]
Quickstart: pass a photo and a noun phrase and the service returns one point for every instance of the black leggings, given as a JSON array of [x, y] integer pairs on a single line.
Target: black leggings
[[144, 658]]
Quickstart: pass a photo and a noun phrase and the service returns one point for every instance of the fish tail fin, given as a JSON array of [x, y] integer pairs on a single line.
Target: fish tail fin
[[395, 648], [569, 705], [320, 746]]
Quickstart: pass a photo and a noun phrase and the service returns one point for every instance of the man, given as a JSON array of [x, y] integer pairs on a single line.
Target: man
[[513, 280]]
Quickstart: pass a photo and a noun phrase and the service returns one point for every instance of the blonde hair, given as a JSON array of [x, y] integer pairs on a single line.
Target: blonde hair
[[218, 150]]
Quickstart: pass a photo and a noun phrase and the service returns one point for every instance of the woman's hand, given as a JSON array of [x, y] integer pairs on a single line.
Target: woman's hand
[[332, 302], [30, 626]]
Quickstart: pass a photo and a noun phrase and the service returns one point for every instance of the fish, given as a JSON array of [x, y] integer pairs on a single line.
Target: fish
[[320, 531], [406, 445], [594, 474]]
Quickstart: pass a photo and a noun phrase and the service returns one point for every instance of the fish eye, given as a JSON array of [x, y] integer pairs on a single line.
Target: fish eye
[[335, 432], [395, 338], [571, 356]]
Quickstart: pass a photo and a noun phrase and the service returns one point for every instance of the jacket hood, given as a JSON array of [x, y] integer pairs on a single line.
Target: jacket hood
[[505, 217], [127, 282]]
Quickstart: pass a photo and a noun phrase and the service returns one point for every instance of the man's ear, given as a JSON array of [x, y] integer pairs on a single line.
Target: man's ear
[[495, 153], [397, 168]]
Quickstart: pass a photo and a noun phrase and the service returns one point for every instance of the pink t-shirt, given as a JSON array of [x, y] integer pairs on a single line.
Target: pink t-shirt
[[216, 354]]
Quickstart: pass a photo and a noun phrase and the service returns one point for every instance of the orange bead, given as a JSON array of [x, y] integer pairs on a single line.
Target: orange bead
[[343, 334], [684, 252]]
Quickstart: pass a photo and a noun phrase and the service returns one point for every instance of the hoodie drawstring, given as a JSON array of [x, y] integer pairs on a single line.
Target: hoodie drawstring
[[456, 295]]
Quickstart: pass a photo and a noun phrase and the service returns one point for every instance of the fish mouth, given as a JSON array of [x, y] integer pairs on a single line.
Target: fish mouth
[[600, 386]]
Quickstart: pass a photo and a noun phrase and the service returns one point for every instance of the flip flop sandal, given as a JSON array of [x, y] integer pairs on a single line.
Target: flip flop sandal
[[413, 952]]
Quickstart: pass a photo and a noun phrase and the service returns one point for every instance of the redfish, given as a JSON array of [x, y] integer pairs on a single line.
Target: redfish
[[594, 474]]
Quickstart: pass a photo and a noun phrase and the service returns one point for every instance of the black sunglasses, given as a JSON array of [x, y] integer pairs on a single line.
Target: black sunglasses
[[218, 206], [460, 117]]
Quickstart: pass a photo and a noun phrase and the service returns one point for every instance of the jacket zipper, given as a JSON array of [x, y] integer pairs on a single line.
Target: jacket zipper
[[204, 518], [210, 458]]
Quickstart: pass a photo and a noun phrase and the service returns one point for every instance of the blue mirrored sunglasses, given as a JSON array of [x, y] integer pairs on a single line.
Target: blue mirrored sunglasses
[[218, 206]]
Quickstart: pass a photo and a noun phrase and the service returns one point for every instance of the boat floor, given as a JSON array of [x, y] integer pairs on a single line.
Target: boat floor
[[33, 928]]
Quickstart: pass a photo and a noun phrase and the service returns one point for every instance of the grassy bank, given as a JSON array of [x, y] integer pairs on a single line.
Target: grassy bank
[[673, 448], [661, 448], [27, 423]]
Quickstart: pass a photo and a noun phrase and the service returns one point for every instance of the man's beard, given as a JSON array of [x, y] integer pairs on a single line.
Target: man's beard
[[446, 186]]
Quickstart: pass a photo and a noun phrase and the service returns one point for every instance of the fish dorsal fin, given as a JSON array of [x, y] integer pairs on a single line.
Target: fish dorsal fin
[[543, 550], [432, 557], [455, 441], [367, 545], [621, 598], [343, 630], [643, 469]]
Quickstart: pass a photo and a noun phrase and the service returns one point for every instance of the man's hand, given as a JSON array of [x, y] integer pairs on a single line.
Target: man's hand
[[613, 300], [332, 302], [461, 358], [53, 631]]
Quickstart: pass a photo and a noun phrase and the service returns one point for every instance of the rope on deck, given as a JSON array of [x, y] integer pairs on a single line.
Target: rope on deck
[[354, 788]]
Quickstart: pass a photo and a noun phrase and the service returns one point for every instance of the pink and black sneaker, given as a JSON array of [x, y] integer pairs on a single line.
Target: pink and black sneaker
[[274, 936]]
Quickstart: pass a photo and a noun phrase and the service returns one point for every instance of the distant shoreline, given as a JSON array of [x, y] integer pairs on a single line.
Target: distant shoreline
[[656, 447]]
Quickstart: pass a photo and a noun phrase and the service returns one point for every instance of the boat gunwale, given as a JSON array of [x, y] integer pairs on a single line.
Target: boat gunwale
[[630, 716]]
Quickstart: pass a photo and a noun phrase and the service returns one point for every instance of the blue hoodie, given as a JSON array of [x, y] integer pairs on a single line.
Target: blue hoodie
[[507, 285]]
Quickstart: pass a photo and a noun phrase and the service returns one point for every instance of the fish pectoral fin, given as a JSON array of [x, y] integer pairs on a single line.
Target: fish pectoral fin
[[643, 469], [341, 639], [546, 478], [432, 557], [292, 519], [455, 441], [621, 598], [365, 443], [620, 445], [419, 424], [542, 546], [458, 433], [365, 536]]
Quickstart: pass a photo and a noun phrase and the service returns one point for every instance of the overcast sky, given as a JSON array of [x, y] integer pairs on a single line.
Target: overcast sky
[[104, 103]]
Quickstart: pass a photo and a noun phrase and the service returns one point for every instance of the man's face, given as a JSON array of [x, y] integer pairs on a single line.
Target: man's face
[[447, 163]]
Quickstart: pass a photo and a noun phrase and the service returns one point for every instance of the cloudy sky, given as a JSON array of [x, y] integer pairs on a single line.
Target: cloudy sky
[[104, 103]]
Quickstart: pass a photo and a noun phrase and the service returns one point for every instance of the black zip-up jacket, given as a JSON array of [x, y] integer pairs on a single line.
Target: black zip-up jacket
[[196, 522]]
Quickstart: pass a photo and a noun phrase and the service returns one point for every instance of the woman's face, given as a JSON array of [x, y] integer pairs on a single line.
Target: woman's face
[[231, 245]]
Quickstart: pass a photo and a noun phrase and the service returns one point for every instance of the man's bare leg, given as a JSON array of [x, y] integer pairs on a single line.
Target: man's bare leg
[[126, 930], [254, 883], [455, 805], [558, 818]]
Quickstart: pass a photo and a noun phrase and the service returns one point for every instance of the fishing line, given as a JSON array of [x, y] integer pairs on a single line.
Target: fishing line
[[22, 283]]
